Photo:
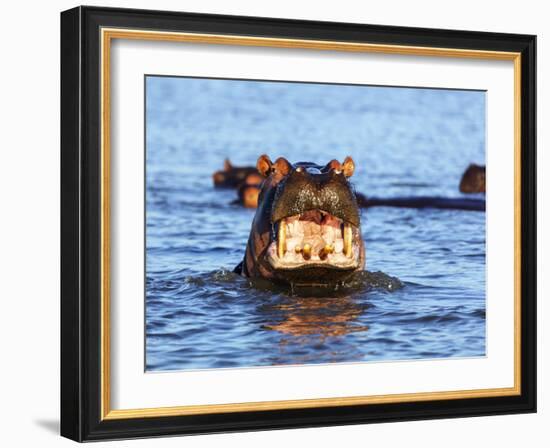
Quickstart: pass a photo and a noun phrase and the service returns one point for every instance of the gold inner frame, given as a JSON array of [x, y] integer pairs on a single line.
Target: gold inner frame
[[107, 35]]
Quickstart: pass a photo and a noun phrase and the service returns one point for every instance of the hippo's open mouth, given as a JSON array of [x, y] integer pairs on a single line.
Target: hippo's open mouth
[[306, 230], [314, 239]]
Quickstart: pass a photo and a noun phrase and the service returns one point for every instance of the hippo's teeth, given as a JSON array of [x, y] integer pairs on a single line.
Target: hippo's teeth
[[348, 239], [325, 251], [281, 239], [306, 251]]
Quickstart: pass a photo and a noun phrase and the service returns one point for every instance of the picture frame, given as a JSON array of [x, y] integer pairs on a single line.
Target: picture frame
[[86, 206]]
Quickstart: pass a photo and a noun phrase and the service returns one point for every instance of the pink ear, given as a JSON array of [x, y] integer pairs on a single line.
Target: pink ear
[[263, 165], [282, 166], [348, 167], [333, 165]]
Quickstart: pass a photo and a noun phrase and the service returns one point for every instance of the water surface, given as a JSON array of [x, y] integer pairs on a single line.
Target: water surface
[[425, 294]]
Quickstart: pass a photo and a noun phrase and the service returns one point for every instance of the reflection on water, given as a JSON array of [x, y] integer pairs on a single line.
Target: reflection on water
[[306, 316], [199, 315], [326, 311]]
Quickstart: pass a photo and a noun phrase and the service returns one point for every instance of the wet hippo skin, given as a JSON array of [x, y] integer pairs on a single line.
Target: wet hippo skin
[[306, 229], [232, 176], [473, 179]]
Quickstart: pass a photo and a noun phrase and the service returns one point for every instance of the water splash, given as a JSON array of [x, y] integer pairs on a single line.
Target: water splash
[[359, 282]]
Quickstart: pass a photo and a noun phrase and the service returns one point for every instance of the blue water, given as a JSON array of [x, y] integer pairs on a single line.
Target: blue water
[[427, 299]]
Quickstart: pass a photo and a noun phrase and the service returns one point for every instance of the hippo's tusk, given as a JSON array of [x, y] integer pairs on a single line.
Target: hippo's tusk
[[306, 251], [281, 239], [328, 249], [348, 239]]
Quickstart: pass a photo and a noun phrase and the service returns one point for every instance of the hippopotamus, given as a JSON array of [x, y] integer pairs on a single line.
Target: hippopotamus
[[307, 229], [249, 190], [473, 179], [421, 202], [247, 195], [232, 176]]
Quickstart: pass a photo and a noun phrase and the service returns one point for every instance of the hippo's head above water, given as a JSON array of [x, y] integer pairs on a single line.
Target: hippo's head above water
[[232, 176], [307, 225], [473, 179]]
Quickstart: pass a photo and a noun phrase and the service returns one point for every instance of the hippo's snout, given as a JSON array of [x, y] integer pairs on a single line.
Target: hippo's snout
[[329, 192]]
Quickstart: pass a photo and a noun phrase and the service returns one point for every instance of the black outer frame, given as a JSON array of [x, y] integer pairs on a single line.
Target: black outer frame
[[80, 224]]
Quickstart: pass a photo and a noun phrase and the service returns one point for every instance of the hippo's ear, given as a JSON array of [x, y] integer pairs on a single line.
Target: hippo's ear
[[348, 167], [333, 165], [282, 166], [227, 165], [263, 165]]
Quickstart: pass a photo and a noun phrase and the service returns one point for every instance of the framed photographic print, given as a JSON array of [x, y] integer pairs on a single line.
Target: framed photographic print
[[273, 223]]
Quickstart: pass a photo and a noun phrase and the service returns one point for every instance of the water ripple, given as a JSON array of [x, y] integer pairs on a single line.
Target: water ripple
[[424, 293]]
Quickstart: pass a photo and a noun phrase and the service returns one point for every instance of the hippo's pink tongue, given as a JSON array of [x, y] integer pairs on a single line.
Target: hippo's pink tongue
[[312, 215]]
